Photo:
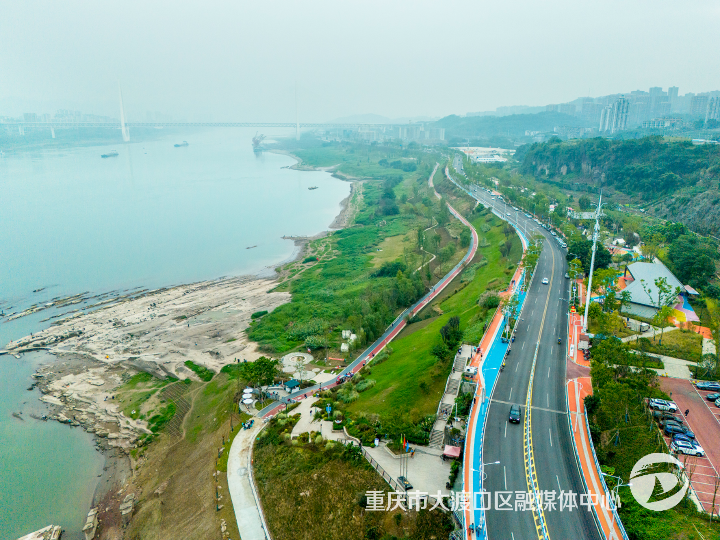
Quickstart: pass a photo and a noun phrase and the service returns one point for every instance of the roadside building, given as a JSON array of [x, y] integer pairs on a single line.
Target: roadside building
[[640, 276]]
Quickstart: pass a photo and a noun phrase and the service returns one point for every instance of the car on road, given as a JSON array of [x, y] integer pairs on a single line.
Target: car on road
[[673, 428], [545, 281], [515, 414], [508, 213], [553, 233], [708, 385], [567, 276], [713, 397], [663, 405]]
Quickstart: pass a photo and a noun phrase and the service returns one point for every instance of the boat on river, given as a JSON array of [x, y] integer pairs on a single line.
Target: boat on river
[[110, 154]]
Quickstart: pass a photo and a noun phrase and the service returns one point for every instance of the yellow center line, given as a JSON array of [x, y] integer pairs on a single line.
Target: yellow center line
[[530, 473]]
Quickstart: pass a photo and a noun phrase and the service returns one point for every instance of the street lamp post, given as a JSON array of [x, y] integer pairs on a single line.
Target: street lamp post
[[617, 486]]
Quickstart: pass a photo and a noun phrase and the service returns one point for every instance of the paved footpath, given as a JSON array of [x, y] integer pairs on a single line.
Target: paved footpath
[[249, 520]]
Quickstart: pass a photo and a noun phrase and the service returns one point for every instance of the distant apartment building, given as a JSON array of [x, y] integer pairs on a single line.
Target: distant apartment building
[[712, 112], [614, 118], [699, 105], [662, 123], [673, 96]]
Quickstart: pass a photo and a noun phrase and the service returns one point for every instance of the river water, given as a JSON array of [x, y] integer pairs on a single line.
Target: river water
[[153, 216]]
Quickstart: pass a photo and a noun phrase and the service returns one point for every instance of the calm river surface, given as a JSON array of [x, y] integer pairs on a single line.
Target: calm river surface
[[153, 216]]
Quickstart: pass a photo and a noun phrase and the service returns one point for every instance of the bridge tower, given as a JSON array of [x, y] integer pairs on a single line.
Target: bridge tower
[[125, 129]]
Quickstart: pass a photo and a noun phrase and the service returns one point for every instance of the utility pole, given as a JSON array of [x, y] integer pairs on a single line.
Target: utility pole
[[596, 233]]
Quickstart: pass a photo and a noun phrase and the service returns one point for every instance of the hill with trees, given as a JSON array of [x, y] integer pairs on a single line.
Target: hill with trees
[[672, 180]]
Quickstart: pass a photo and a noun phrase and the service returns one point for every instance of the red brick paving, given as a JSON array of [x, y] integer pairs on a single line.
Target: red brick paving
[[704, 421]]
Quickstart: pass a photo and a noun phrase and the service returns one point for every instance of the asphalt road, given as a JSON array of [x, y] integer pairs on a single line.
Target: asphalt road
[[554, 456]]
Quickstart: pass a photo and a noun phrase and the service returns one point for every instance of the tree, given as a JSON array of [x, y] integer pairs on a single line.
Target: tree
[[261, 372], [585, 203], [465, 237], [451, 333], [662, 297], [693, 260], [581, 248]]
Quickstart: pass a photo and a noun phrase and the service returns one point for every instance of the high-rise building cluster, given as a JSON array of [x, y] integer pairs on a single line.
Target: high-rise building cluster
[[655, 107]]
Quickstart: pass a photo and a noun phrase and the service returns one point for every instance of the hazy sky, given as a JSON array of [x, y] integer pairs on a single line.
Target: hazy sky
[[239, 60]]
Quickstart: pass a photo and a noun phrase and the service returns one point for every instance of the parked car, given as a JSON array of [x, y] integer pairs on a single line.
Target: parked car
[[688, 440], [567, 276], [708, 385], [661, 415], [663, 405], [713, 397], [664, 422], [682, 447], [717, 402], [515, 414], [545, 281], [673, 428]]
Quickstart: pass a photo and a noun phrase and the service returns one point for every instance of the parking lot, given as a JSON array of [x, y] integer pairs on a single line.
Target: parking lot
[[704, 420]]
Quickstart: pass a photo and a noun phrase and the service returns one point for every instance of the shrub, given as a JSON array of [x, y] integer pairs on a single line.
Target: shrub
[[316, 342], [258, 314], [204, 373], [364, 385], [309, 259], [491, 302]]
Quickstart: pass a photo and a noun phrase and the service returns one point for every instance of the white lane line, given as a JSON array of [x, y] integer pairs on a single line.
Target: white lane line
[[548, 375], [510, 398], [548, 400], [550, 434], [523, 346], [516, 366], [558, 481], [506, 423], [551, 348], [505, 475]]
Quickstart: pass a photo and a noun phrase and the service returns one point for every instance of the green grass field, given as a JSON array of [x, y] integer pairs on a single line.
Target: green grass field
[[677, 344], [411, 381]]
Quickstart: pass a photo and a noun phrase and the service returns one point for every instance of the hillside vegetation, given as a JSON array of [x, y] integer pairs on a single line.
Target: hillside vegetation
[[674, 180]]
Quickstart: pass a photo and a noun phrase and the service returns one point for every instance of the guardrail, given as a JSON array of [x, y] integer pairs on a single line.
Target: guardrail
[[602, 479], [251, 476]]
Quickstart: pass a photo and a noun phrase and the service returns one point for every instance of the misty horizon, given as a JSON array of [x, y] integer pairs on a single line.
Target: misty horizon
[[243, 62]]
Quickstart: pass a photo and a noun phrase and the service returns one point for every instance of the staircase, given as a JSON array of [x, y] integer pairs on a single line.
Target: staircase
[[437, 438], [453, 385], [459, 364]]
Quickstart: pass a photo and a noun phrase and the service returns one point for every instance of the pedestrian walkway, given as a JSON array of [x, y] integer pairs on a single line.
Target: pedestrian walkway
[[608, 520], [673, 367], [250, 519], [649, 334]]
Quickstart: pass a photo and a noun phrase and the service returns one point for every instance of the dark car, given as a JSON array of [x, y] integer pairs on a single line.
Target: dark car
[[672, 429], [662, 415], [713, 397], [515, 414], [709, 385], [665, 421]]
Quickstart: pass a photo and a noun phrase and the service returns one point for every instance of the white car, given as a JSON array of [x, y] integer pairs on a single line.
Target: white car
[[545, 281], [663, 405], [682, 447]]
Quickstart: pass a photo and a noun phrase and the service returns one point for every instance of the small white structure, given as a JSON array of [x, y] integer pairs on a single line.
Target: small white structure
[[344, 347], [346, 334], [353, 337]]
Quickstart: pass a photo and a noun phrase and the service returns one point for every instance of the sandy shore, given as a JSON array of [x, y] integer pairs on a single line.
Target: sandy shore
[[157, 333]]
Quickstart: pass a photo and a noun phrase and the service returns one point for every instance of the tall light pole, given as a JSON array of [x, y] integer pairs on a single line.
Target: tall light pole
[[596, 233]]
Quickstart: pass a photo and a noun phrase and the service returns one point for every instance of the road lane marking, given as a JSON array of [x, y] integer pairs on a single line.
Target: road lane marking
[[548, 375], [548, 400], [516, 366], [523, 345], [510, 398], [558, 481], [506, 423], [550, 434], [505, 475]]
